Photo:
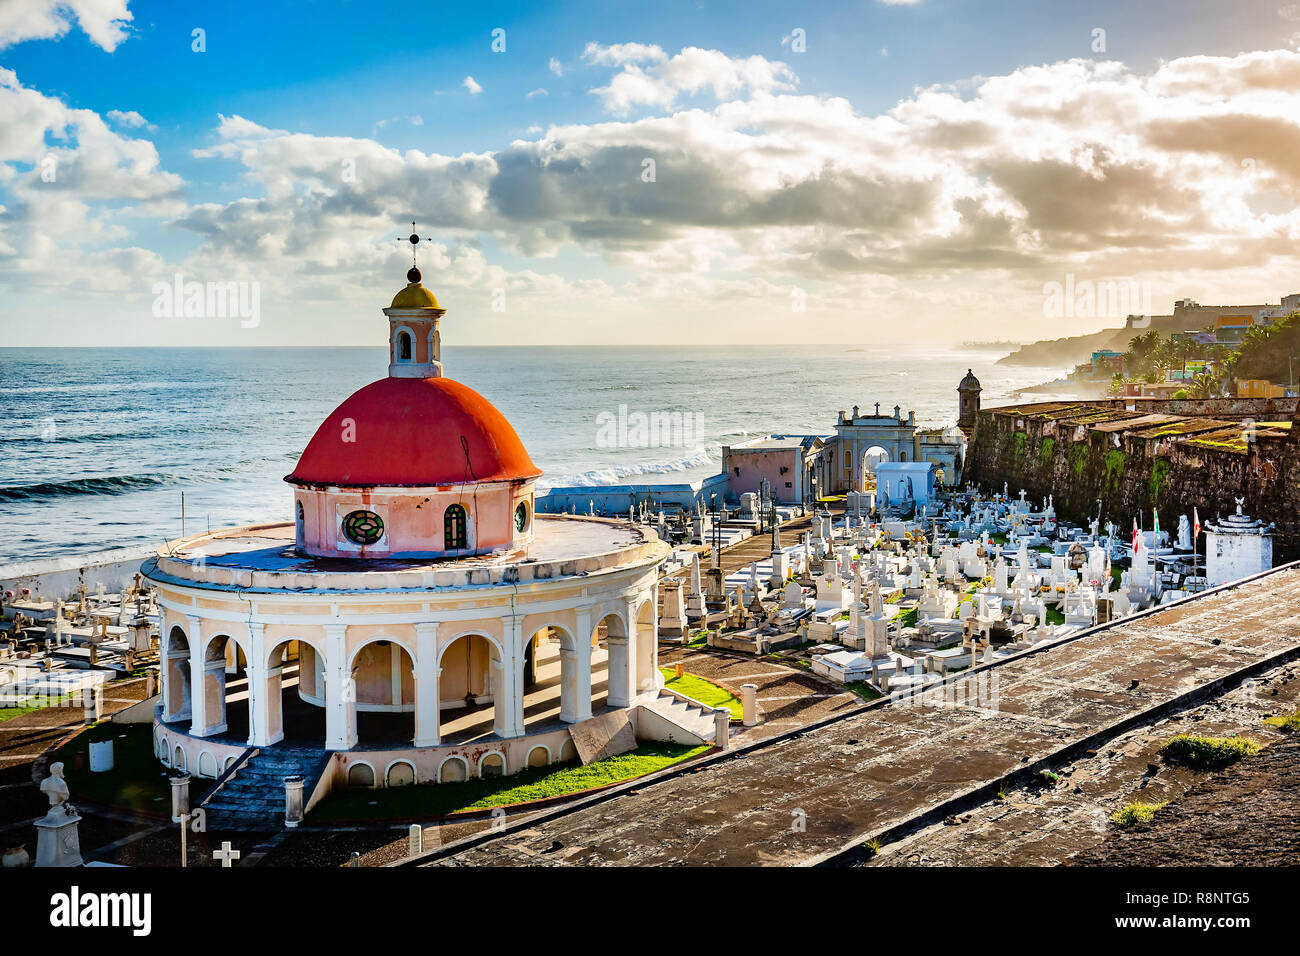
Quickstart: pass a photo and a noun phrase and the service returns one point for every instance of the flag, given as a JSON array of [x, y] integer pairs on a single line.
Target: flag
[[1155, 530], [1135, 536], [1196, 525]]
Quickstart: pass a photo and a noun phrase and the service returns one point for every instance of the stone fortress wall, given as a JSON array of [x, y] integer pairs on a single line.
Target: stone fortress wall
[[1133, 455]]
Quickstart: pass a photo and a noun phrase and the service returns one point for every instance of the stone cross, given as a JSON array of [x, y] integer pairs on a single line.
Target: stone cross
[[226, 855]]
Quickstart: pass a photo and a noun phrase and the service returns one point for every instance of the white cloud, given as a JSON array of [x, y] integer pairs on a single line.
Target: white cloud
[[909, 215], [105, 22], [555, 67], [128, 118], [540, 91], [691, 71], [72, 187], [472, 85]]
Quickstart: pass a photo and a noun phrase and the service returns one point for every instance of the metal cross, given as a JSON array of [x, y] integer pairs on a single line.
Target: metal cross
[[414, 239]]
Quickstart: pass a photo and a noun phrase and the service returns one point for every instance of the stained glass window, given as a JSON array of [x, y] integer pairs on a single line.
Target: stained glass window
[[455, 536], [521, 516], [363, 527]]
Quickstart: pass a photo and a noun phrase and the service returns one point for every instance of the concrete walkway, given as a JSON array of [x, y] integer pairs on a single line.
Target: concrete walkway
[[810, 797]]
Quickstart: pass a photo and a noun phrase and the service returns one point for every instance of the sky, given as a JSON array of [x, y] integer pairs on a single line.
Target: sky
[[921, 172]]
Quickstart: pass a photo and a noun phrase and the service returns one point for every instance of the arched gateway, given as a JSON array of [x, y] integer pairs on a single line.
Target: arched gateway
[[416, 607]]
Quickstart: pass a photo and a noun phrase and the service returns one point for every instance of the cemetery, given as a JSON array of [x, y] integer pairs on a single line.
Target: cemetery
[[416, 644]]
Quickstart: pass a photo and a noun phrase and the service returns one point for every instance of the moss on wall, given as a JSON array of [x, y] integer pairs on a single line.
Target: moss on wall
[[1160, 469]]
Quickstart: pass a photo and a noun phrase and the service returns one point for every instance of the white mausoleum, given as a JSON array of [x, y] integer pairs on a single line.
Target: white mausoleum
[[415, 618]]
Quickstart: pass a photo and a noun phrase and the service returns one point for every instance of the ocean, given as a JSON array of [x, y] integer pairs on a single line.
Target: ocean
[[98, 444]]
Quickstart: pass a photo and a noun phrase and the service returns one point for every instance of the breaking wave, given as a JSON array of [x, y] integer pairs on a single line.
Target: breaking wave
[[619, 474], [113, 485]]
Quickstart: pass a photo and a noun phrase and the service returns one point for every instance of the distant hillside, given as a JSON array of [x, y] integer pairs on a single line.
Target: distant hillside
[[1070, 350]]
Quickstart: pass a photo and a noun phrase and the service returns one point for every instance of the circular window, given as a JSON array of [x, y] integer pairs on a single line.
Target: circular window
[[521, 516], [363, 527]]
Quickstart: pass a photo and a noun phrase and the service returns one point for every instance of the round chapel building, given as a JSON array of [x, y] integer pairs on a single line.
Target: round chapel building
[[416, 621]]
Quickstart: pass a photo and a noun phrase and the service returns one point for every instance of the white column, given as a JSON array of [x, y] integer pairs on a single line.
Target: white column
[[634, 637], [580, 661], [260, 689], [340, 691], [509, 705], [619, 669], [198, 690], [426, 685]]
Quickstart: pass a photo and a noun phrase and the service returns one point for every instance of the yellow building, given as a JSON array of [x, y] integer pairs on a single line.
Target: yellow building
[[1259, 388]]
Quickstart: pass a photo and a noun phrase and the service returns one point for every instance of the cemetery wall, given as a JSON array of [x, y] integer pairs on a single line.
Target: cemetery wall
[[1126, 473], [56, 578]]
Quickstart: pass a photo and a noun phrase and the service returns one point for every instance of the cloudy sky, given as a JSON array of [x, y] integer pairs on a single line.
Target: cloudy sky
[[744, 172]]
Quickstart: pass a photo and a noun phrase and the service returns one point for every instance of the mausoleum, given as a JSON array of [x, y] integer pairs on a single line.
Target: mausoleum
[[416, 621]]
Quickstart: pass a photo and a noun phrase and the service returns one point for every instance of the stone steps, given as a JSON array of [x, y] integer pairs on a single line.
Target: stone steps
[[698, 720], [254, 798]]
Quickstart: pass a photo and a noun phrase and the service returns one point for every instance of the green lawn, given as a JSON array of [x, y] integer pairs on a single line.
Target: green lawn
[[705, 691], [535, 783], [138, 781], [8, 713]]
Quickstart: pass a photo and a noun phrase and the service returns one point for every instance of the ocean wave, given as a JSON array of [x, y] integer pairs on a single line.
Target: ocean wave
[[111, 485], [619, 474]]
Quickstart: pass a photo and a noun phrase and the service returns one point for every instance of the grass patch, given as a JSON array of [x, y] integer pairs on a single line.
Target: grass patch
[[1289, 723], [863, 690], [8, 713], [1053, 615], [1208, 753], [705, 691], [535, 783], [1132, 814], [138, 780], [906, 618]]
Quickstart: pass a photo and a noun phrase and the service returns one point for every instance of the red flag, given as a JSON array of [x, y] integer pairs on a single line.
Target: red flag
[[1135, 536], [1196, 525]]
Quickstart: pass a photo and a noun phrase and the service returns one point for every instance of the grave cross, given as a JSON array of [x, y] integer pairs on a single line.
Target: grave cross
[[226, 855]]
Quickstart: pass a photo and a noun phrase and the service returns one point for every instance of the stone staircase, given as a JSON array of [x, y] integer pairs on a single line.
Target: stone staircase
[[693, 718], [253, 798]]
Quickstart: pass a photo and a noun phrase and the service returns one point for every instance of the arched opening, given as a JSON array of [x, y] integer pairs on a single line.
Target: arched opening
[[404, 353], [176, 677], [361, 776], [225, 682], [539, 757], [178, 759], [609, 643], [384, 702], [297, 717], [469, 684], [207, 765], [299, 522], [455, 528], [563, 671], [870, 459], [453, 770], [492, 765], [400, 774]]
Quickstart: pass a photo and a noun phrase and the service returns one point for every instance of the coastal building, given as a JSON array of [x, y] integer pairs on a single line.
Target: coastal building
[[791, 467], [416, 621]]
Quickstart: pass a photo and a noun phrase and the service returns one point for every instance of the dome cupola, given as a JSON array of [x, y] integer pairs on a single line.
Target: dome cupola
[[415, 465]]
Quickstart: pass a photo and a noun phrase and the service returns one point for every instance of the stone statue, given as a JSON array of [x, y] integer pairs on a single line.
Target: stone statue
[[1240, 502], [56, 789]]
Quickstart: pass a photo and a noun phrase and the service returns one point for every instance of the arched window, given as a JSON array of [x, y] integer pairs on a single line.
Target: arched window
[[404, 346], [455, 532]]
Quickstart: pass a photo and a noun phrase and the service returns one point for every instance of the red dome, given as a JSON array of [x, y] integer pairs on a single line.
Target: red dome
[[413, 431]]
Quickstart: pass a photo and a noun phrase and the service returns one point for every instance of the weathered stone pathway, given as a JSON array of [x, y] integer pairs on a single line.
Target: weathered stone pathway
[[812, 796]]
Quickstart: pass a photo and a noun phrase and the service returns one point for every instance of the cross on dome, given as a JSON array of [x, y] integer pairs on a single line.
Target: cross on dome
[[414, 239]]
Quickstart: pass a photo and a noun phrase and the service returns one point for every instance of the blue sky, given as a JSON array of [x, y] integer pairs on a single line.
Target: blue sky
[[240, 199]]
